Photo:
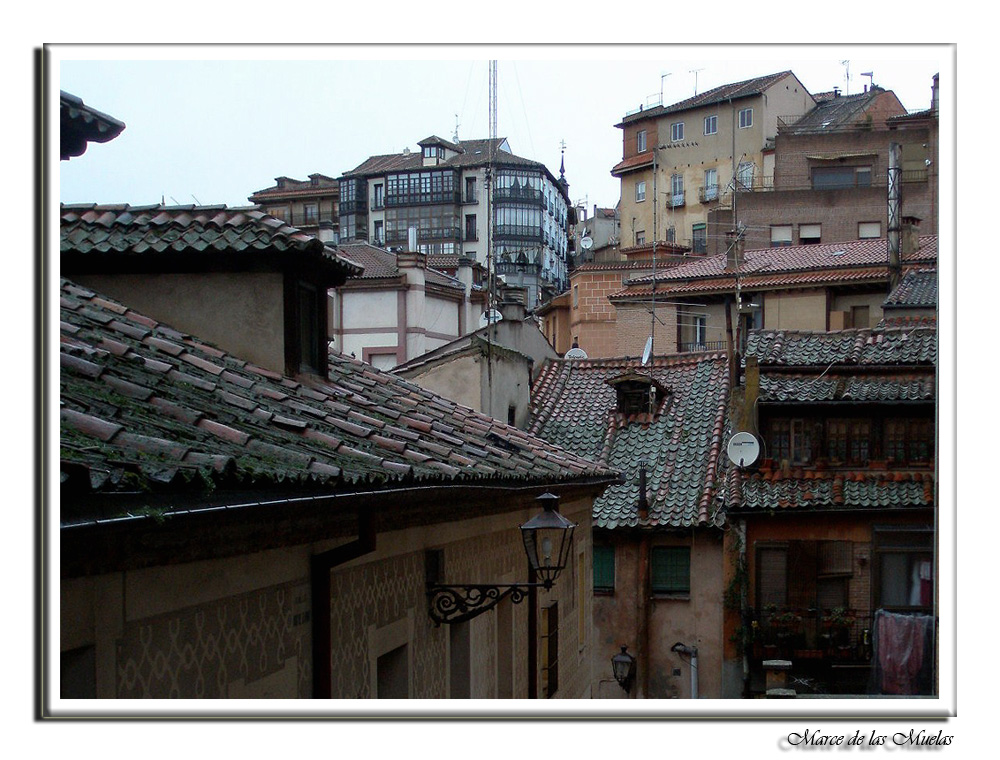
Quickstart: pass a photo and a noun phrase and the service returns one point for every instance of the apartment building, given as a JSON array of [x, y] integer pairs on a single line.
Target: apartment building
[[441, 191], [310, 205], [683, 160]]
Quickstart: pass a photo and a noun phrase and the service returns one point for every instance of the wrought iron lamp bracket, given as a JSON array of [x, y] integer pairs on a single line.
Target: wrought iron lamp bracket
[[458, 603]]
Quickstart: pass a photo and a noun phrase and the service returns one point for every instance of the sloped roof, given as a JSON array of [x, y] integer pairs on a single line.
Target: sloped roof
[[876, 366], [379, 263], [79, 124], [917, 289], [838, 112], [94, 230], [146, 408], [472, 153], [723, 93], [790, 266], [317, 184], [857, 348], [574, 406]]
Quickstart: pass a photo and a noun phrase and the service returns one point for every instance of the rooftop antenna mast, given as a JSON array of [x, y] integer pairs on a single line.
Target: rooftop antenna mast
[[695, 72], [662, 77], [456, 128], [847, 76], [490, 242]]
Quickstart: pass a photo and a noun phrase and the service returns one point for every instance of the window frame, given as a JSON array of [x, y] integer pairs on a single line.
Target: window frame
[[604, 566], [640, 191], [747, 122], [640, 141], [674, 579], [714, 121], [677, 131]]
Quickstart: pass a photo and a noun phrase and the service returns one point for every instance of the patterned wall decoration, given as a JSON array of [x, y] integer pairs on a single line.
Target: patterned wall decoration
[[198, 652]]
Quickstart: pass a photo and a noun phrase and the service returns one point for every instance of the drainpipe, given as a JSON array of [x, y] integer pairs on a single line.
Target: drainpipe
[[691, 652], [320, 566], [642, 613], [532, 634]]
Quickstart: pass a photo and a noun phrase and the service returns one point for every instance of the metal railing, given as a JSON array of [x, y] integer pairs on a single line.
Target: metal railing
[[708, 345]]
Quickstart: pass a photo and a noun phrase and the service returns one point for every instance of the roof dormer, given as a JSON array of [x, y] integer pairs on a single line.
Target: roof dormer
[[638, 394]]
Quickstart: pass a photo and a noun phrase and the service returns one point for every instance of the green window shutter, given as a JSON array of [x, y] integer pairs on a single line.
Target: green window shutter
[[671, 569], [604, 568]]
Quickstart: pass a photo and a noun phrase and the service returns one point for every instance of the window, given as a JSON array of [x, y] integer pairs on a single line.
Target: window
[[677, 131], [640, 192], [781, 235], [903, 568], [392, 674], [790, 439], [746, 118], [700, 325], [676, 189], [576, 296], [848, 440], [550, 649], [310, 329], [909, 441], [636, 396], [470, 227], [511, 415], [379, 232], [711, 125], [810, 234], [278, 212], [841, 177], [804, 575], [671, 234], [640, 141], [604, 569], [744, 175], [670, 570], [640, 237], [471, 195], [699, 238], [869, 230], [711, 189]]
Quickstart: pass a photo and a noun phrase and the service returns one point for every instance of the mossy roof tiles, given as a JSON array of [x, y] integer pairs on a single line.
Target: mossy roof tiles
[[220, 422]]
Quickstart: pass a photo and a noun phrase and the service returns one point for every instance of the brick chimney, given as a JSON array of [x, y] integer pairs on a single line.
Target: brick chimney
[[735, 242]]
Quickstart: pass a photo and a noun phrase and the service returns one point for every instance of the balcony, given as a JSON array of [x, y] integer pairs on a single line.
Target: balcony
[[521, 194], [675, 200], [708, 193], [710, 345]]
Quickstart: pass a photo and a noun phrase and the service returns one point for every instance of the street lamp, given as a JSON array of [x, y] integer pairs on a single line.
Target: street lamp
[[623, 666], [548, 540]]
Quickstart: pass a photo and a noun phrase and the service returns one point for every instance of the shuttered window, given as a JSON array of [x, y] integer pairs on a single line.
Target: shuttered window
[[671, 569], [604, 569]]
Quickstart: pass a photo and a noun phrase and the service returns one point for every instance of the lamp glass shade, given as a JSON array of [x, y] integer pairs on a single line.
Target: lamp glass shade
[[548, 540], [623, 666]]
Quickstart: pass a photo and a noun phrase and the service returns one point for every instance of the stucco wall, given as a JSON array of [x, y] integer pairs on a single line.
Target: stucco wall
[[241, 312], [795, 310], [242, 627]]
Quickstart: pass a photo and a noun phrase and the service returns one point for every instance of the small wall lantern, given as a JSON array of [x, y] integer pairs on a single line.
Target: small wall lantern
[[623, 666], [548, 540]]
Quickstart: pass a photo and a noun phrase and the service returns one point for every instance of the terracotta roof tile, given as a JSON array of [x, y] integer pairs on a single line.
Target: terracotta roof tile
[[236, 423]]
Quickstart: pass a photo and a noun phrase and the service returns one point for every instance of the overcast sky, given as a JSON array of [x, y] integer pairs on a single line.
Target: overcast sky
[[213, 124]]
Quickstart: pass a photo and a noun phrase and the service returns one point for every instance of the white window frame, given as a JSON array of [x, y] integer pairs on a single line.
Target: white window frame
[[746, 118], [713, 122], [711, 184], [640, 191], [866, 230], [677, 131], [640, 141]]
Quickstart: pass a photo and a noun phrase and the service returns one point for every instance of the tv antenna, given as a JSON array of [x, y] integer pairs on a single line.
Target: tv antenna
[[695, 72], [847, 76]]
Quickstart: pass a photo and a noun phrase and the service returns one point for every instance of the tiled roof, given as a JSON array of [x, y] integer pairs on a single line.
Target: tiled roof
[[857, 348], [79, 124], [379, 263], [638, 161], [917, 289], [835, 112], [720, 94], [831, 490], [286, 186], [474, 153], [121, 229], [849, 366], [146, 408], [788, 266], [574, 406]]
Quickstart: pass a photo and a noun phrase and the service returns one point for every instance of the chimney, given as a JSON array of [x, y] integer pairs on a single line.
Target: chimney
[[910, 235], [735, 243], [512, 311], [934, 94], [326, 233]]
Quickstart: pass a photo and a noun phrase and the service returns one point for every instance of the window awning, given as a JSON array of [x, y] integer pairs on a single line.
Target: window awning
[[839, 154]]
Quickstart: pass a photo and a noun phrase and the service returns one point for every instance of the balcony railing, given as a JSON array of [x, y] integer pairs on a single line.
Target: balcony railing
[[767, 183], [708, 345], [675, 200], [303, 219], [708, 193], [811, 634]]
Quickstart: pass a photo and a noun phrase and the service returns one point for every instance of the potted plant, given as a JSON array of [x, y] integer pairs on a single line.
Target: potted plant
[[837, 625]]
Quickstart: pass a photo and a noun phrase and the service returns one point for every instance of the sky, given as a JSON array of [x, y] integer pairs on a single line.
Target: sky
[[210, 125]]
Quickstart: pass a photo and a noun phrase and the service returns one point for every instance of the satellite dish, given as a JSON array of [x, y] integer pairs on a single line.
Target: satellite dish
[[576, 353], [587, 243], [647, 352], [489, 317], [743, 449]]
